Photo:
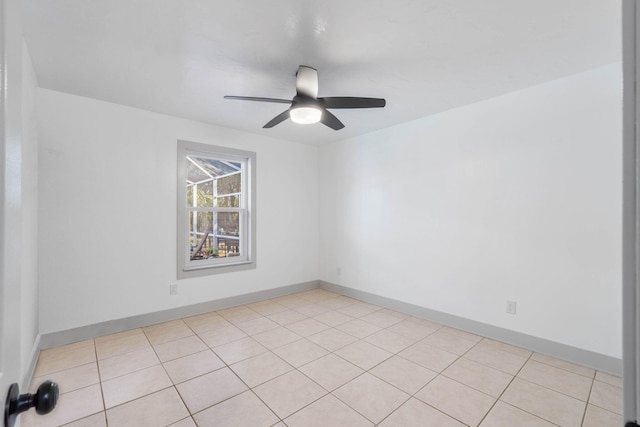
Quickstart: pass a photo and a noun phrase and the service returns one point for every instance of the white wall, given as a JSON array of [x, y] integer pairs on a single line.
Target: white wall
[[29, 226], [517, 197], [107, 212]]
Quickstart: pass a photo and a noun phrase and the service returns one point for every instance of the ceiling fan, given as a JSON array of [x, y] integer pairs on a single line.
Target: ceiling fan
[[307, 108]]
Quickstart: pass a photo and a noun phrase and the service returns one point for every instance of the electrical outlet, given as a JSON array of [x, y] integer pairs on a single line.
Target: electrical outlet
[[511, 307], [339, 270], [173, 289]]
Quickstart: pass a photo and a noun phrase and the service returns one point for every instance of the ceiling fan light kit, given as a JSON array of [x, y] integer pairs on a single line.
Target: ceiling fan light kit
[[305, 115], [307, 108]]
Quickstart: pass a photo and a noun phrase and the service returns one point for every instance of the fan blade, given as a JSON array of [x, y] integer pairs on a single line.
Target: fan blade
[[253, 98], [307, 81], [277, 119], [330, 120], [352, 102]]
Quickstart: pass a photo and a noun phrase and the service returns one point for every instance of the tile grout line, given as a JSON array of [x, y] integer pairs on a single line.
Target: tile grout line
[[321, 302], [505, 390], [173, 385]]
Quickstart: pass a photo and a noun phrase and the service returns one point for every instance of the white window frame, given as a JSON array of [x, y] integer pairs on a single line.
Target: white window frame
[[247, 259]]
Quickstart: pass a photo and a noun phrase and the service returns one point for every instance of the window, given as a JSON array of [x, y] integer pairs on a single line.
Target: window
[[216, 209]]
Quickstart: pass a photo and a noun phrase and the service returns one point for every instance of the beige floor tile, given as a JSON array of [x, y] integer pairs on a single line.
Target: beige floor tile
[[60, 350], [243, 410], [223, 335], [454, 343], [417, 413], [358, 309], [179, 348], [331, 371], [359, 328], [545, 403], [609, 379], [55, 361], [119, 335], [194, 365], [70, 379], [239, 350], [327, 411], [127, 363], [504, 415], [372, 397], [95, 420], [318, 295], [288, 393], [606, 396], [382, 318], [480, 377], [169, 331], [338, 302], [286, 317], [399, 315], [276, 337], [598, 417], [488, 343], [239, 314], [292, 301], [312, 310], [260, 369], [461, 334], [431, 358], [307, 327], [497, 358], [185, 422], [71, 406], [210, 389], [118, 346], [318, 333], [266, 308], [255, 326], [557, 379], [447, 395], [390, 341], [404, 374], [333, 318], [206, 322], [132, 386], [300, 352], [424, 322], [413, 329], [158, 409], [332, 339], [363, 354], [568, 366]]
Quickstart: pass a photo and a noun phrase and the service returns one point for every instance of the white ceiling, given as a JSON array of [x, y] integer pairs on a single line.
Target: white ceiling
[[180, 57]]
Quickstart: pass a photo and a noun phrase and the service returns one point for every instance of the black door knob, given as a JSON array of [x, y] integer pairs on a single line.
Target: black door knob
[[44, 400]]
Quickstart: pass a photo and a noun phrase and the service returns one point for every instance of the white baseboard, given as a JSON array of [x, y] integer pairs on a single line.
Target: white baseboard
[[576, 355], [69, 336]]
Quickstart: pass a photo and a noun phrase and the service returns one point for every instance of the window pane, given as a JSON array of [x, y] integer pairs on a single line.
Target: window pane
[[194, 173], [227, 247], [229, 184], [200, 234], [204, 194], [228, 223], [228, 202]]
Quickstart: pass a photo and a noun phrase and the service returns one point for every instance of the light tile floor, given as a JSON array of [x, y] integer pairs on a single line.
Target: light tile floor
[[316, 358]]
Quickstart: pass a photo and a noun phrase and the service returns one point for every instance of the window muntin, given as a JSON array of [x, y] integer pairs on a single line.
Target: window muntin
[[216, 221]]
